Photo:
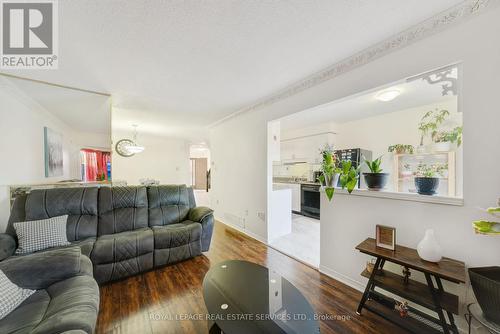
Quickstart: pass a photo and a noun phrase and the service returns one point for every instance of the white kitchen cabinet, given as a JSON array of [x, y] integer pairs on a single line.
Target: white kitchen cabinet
[[295, 197], [305, 148], [295, 188]]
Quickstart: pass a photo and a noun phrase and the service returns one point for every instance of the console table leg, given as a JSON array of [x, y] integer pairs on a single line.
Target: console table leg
[[369, 286], [439, 309], [450, 315]]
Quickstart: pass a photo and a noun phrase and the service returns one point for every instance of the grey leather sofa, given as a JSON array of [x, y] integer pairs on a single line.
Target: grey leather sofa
[[67, 297], [123, 230]]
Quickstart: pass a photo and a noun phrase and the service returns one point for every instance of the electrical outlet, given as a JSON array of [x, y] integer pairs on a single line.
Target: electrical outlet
[[246, 212], [262, 216]]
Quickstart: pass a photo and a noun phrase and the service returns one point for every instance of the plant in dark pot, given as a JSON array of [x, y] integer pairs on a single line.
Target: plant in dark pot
[[485, 283], [427, 178], [375, 180]]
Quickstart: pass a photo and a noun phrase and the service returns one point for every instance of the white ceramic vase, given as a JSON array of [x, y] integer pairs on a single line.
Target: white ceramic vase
[[428, 248]]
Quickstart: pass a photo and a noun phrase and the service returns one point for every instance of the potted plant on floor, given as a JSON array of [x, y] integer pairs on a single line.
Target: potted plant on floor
[[429, 124], [427, 178], [375, 180], [485, 281], [444, 140], [401, 149]]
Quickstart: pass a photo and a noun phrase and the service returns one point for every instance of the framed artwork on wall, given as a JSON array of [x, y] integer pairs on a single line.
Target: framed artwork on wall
[[53, 148], [385, 237]]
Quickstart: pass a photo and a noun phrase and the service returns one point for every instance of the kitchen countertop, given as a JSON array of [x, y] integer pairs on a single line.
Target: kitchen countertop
[[294, 181]]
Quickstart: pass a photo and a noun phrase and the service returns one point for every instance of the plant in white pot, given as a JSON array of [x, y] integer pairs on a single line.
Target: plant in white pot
[[429, 124], [401, 149], [329, 171], [333, 172], [445, 140]]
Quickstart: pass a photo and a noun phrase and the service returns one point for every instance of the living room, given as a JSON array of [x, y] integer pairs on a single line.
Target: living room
[[137, 171]]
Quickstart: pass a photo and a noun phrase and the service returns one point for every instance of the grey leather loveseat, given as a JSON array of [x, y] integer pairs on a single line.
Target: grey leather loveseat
[[122, 230]]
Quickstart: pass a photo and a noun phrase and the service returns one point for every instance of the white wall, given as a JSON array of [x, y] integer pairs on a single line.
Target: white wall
[[239, 152], [22, 144], [164, 159]]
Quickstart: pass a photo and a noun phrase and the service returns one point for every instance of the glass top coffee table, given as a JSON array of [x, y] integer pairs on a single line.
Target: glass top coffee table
[[244, 297]]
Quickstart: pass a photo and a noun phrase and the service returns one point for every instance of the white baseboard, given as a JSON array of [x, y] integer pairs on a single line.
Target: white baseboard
[[242, 230], [342, 278]]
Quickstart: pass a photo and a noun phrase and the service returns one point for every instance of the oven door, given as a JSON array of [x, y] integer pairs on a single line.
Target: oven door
[[310, 200]]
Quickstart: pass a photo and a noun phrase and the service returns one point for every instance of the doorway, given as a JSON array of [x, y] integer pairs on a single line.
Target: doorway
[[199, 158], [199, 168]]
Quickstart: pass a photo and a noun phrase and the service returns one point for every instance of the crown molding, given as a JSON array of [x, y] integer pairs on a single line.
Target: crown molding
[[433, 25]]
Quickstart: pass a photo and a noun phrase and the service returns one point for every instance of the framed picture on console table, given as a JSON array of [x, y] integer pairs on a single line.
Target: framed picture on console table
[[385, 237]]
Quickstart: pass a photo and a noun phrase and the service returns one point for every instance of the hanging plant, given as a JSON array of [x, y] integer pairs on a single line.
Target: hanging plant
[[430, 122], [329, 171]]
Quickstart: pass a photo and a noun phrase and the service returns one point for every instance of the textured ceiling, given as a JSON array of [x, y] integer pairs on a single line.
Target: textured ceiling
[[416, 93], [192, 62]]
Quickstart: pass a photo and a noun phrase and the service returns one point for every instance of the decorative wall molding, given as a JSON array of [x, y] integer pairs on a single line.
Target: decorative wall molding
[[437, 23]]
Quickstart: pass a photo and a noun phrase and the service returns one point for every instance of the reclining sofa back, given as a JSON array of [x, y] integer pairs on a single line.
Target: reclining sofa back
[[168, 204], [122, 209], [96, 211], [80, 204]]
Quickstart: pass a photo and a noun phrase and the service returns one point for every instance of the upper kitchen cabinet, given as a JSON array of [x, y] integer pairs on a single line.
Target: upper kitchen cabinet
[[305, 148]]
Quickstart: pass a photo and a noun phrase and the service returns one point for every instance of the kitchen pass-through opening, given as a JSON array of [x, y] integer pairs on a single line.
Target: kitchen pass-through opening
[[413, 127]]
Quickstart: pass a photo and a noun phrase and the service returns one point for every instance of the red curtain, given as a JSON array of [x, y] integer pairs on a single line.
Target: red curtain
[[95, 165]]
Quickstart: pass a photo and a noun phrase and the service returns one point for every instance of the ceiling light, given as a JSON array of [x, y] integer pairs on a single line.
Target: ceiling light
[[129, 147], [388, 95], [135, 148]]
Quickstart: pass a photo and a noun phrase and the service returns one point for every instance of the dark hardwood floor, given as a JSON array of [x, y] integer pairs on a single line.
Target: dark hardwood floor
[[150, 303]]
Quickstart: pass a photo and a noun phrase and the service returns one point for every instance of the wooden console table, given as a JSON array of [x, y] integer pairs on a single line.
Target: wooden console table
[[431, 296]]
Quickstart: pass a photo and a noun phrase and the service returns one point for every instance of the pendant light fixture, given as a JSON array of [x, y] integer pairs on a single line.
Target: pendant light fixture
[[129, 147]]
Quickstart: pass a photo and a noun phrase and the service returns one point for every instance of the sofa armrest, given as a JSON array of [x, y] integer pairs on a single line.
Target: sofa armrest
[[198, 213], [7, 246], [205, 217], [40, 270]]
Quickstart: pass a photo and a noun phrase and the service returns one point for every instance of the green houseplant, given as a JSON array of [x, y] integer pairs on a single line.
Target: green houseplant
[[430, 123], [375, 180], [329, 171], [401, 149], [333, 171], [427, 178], [444, 139], [349, 175]]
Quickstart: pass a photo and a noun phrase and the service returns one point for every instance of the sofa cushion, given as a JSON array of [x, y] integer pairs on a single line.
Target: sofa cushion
[[122, 254], [176, 242], [40, 270], [12, 295], [80, 204], [29, 314], [168, 204], [71, 304], [175, 235], [122, 246], [122, 209], [41, 234]]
